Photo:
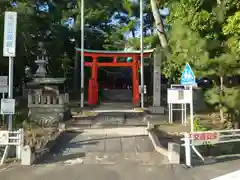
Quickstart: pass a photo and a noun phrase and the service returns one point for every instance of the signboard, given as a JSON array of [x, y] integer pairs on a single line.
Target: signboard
[[9, 41], [204, 138], [3, 84], [179, 96], [7, 106], [4, 137], [144, 89], [188, 77]]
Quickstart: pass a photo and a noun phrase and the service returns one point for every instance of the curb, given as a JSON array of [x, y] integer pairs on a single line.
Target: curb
[[172, 152], [156, 144]]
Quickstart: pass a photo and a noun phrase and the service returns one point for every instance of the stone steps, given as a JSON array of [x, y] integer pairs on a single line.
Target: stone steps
[[113, 119]]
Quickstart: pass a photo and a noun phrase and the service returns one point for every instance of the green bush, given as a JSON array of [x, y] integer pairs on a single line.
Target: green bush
[[198, 126]]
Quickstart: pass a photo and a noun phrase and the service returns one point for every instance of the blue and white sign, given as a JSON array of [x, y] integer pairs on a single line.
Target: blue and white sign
[[188, 77], [10, 28], [14, 4]]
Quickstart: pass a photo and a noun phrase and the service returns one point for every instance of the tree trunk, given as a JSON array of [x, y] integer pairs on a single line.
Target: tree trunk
[[159, 24], [221, 94], [133, 33], [76, 70]]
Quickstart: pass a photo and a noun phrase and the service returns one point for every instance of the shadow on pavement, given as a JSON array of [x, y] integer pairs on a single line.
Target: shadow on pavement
[[216, 160], [61, 144]]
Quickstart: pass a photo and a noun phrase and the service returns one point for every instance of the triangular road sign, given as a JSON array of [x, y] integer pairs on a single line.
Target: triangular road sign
[[188, 77]]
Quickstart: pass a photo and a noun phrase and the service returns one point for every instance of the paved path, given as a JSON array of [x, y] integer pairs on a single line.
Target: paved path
[[83, 157], [119, 171], [106, 148]]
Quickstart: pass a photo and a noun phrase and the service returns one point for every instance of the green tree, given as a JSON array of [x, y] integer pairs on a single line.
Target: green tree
[[205, 34]]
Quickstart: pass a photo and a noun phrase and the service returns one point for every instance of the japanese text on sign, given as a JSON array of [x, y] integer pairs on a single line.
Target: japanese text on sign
[[10, 24], [7, 106], [201, 138], [10, 31]]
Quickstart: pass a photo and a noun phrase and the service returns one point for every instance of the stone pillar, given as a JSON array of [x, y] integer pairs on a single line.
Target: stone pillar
[[157, 61], [30, 99], [174, 153], [27, 156]]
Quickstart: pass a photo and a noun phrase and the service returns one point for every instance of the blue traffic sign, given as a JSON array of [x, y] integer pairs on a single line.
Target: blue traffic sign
[[188, 77]]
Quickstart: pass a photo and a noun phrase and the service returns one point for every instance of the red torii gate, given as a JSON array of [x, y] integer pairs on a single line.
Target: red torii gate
[[94, 64]]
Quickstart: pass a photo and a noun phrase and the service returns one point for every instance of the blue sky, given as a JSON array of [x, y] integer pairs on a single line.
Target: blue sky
[[163, 12]]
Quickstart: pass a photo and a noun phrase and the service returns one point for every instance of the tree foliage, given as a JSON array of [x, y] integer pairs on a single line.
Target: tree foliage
[[203, 33], [206, 34]]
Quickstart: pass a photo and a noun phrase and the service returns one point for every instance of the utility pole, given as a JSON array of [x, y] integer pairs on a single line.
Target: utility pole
[[141, 49], [82, 53]]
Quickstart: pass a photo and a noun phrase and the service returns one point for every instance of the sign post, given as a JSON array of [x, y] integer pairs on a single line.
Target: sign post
[[179, 95], [9, 50], [188, 79]]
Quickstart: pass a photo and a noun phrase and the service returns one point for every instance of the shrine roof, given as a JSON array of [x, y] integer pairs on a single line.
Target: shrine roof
[[114, 52]]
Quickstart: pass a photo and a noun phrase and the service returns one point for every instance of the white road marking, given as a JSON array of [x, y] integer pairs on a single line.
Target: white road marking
[[231, 176]]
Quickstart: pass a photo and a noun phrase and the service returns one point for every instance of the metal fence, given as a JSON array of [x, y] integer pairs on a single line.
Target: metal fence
[[11, 138], [200, 138]]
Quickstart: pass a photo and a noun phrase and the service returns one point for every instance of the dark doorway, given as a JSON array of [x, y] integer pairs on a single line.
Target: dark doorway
[[115, 84]]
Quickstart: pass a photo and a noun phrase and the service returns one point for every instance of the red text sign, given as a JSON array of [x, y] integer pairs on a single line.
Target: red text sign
[[201, 138]]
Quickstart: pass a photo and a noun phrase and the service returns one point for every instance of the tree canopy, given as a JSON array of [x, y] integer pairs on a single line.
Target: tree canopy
[[204, 33]]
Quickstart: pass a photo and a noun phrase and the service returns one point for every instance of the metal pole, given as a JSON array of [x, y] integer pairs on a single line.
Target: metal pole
[[182, 113], [3, 117], [187, 144], [169, 113], [191, 111], [82, 53], [10, 90], [141, 49], [185, 114]]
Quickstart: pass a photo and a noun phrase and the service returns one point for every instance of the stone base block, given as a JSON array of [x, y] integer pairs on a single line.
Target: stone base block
[[174, 153], [49, 116], [27, 157]]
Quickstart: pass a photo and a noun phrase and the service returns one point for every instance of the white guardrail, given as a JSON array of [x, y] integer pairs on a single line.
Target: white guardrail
[[11, 138], [200, 138]]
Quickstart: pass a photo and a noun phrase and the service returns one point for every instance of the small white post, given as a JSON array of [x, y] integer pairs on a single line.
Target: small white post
[[187, 149], [20, 136]]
